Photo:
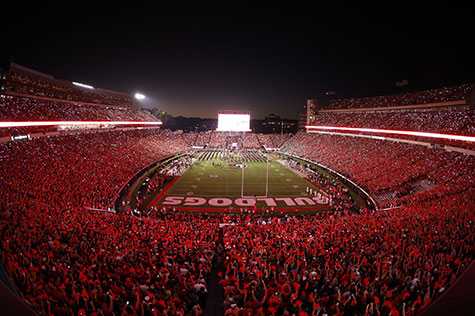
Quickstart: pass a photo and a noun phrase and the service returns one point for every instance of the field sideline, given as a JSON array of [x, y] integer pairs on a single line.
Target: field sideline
[[213, 180]]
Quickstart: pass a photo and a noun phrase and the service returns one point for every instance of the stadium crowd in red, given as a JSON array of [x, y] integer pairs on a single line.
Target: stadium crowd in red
[[65, 259], [85, 170], [243, 140], [458, 122], [29, 109], [303, 260], [384, 263], [392, 262], [25, 83], [445, 121], [160, 178], [272, 140], [77, 262], [447, 94], [381, 165], [39, 110]]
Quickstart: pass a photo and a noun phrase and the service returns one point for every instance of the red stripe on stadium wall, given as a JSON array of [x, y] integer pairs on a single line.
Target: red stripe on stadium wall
[[164, 191]]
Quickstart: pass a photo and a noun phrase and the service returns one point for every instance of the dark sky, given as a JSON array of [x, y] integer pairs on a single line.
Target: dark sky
[[195, 58]]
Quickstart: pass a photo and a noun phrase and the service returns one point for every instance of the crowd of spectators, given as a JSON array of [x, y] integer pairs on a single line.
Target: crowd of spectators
[[382, 166], [250, 141], [218, 139], [157, 180], [215, 139], [36, 110], [77, 262], [29, 84], [272, 140], [66, 259], [447, 94], [330, 187], [387, 262], [202, 139], [383, 263], [189, 138], [446, 121], [30, 109], [80, 170]]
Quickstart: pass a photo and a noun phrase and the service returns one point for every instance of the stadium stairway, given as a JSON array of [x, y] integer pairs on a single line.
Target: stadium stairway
[[214, 303]]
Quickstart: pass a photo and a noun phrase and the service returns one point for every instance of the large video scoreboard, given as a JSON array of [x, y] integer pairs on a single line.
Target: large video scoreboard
[[234, 121]]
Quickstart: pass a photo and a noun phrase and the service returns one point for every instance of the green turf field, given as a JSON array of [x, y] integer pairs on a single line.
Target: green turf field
[[219, 184]]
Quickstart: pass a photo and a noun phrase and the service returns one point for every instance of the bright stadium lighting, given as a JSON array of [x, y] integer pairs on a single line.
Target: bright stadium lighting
[[397, 132], [82, 85], [139, 96], [75, 123]]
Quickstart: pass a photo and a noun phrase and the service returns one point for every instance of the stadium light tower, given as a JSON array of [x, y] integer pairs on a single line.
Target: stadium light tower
[[139, 96]]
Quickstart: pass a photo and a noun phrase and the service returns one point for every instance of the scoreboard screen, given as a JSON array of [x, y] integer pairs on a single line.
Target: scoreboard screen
[[234, 121]]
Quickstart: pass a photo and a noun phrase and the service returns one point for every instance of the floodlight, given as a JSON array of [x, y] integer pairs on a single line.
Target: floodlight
[[139, 96], [82, 85]]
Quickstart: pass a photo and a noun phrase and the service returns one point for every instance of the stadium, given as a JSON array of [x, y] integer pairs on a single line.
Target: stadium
[[366, 209]]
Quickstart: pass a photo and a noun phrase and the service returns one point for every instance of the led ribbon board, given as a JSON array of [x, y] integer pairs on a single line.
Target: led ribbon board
[[391, 131], [75, 123]]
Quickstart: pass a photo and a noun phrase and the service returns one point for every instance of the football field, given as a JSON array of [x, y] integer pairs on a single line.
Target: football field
[[239, 182]]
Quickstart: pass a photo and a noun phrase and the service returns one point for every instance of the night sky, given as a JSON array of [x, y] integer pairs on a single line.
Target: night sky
[[195, 58]]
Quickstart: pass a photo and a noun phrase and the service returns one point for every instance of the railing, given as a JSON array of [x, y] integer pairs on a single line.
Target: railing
[[124, 189], [361, 192]]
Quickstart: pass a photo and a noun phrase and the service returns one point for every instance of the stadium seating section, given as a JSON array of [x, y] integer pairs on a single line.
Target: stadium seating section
[[31, 109], [445, 121], [448, 94], [23, 82], [65, 258]]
